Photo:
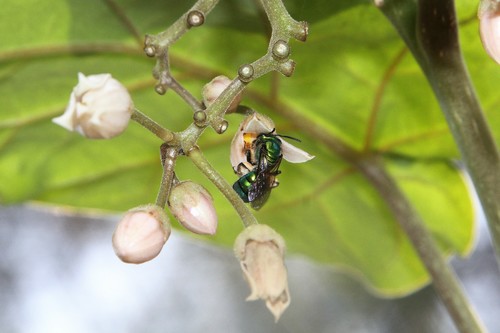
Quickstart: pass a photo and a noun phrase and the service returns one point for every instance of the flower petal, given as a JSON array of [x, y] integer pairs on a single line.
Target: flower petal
[[253, 123], [99, 107], [257, 123], [193, 206], [261, 251], [293, 154], [67, 119]]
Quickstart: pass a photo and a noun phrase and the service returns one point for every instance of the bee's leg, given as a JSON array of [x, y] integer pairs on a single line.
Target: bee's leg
[[275, 183], [243, 168]]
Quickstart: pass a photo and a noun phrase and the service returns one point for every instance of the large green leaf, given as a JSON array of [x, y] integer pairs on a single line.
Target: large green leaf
[[354, 80]]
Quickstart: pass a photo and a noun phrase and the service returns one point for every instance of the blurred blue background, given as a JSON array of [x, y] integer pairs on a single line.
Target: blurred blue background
[[59, 274]]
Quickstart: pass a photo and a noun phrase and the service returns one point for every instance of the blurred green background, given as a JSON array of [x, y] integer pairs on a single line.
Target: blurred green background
[[354, 80]]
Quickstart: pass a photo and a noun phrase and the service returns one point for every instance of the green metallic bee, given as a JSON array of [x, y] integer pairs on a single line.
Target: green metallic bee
[[265, 155]]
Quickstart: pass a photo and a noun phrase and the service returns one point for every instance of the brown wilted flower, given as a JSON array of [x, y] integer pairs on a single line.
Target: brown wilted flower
[[261, 251]]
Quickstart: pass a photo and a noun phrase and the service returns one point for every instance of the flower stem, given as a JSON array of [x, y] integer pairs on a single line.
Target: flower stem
[[158, 46], [429, 28], [164, 134], [201, 162], [453, 88], [444, 279], [168, 157], [283, 26], [184, 94]]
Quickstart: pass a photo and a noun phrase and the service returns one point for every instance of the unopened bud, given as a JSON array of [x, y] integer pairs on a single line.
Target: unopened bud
[[193, 206], [261, 251], [489, 27], [141, 234], [212, 90], [99, 107]]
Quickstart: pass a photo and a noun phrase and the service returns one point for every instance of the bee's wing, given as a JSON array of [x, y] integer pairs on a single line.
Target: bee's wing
[[260, 190]]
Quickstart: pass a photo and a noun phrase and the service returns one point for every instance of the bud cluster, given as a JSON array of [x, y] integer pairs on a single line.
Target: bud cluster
[[142, 232], [100, 107]]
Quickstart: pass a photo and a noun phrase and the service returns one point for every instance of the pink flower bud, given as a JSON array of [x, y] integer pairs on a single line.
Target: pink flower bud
[[99, 107], [212, 90], [193, 206], [261, 252], [141, 234], [489, 27]]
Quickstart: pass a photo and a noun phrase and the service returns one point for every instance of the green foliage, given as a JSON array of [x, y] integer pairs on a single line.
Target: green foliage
[[354, 79]]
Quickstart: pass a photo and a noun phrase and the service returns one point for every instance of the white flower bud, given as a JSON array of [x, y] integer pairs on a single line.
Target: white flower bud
[[489, 27], [141, 234], [99, 107], [253, 125], [261, 251], [193, 206], [212, 90]]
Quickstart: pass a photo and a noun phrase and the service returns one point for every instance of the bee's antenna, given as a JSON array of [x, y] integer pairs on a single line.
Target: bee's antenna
[[283, 136], [288, 137]]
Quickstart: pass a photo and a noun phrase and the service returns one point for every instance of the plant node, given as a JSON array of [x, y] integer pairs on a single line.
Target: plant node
[[195, 18], [300, 31], [222, 127], [160, 89], [245, 73], [150, 50], [281, 50], [199, 118], [287, 68]]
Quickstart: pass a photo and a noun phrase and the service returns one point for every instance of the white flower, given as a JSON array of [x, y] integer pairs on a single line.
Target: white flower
[[141, 234], [261, 251], [212, 90], [193, 206], [489, 27], [253, 125], [99, 107]]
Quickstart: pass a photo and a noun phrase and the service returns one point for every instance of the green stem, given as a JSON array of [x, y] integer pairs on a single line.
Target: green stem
[[164, 134], [168, 156], [243, 211], [282, 24], [158, 46], [429, 28], [284, 28], [446, 71], [444, 280], [184, 94], [180, 27]]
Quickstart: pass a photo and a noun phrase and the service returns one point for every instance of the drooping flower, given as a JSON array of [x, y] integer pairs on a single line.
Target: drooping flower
[[212, 90], [253, 125], [141, 234], [99, 107], [261, 251], [489, 27], [193, 206]]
